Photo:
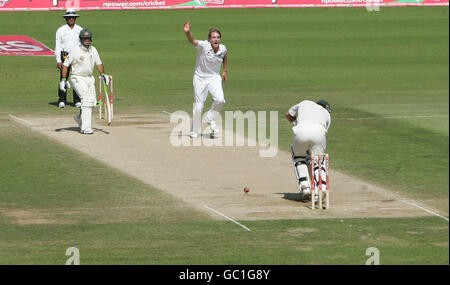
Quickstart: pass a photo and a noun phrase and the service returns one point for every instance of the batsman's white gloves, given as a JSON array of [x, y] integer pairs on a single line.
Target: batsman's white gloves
[[105, 78], [62, 85], [67, 85]]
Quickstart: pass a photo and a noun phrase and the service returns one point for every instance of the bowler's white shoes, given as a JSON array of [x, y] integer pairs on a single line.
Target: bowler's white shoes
[[193, 135], [214, 127], [87, 131], [78, 105], [61, 105]]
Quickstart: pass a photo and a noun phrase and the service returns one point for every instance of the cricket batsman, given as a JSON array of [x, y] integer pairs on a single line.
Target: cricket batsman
[[311, 122], [83, 59], [211, 54]]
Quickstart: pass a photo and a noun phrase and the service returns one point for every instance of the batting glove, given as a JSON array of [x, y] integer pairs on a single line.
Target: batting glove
[[62, 85], [67, 85], [105, 78]]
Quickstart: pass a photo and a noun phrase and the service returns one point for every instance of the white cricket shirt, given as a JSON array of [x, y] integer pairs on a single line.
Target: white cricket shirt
[[66, 39], [310, 113], [208, 62], [83, 60]]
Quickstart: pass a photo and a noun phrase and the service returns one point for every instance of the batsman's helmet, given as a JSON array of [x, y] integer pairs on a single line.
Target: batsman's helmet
[[85, 33], [324, 104]]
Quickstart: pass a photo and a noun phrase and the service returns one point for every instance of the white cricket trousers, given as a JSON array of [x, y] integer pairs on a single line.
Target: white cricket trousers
[[308, 140], [202, 86], [85, 88]]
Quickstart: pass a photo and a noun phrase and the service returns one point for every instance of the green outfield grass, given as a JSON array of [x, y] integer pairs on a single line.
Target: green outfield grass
[[334, 241], [384, 73]]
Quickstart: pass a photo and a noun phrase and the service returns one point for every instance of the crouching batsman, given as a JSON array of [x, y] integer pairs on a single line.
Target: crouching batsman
[[311, 122], [83, 59]]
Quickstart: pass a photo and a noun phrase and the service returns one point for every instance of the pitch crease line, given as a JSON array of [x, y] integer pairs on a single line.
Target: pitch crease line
[[19, 119], [403, 200], [219, 213], [426, 210]]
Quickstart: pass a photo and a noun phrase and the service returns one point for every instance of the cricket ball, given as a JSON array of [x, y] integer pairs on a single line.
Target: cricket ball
[[246, 189]]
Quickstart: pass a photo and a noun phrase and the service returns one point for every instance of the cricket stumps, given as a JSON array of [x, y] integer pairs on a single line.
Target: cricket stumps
[[320, 180]]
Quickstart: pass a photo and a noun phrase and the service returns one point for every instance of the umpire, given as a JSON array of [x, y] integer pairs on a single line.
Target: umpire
[[67, 37]]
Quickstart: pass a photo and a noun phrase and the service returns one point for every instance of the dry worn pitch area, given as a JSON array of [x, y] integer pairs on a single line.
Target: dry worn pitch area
[[214, 177]]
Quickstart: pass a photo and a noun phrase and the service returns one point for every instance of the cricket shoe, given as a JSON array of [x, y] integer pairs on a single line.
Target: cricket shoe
[[193, 135], [78, 105], [77, 119], [305, 194], [87, 131], [214, 129], [61, 105]]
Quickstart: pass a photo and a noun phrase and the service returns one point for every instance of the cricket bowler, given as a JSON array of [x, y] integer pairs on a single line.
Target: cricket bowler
[[211, 54], [83, 58]]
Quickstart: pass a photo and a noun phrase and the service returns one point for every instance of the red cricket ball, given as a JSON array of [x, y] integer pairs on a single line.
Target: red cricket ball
[[246, 189]]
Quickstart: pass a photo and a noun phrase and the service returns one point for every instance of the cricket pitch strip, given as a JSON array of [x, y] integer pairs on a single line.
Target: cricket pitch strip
[[216, 176]]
